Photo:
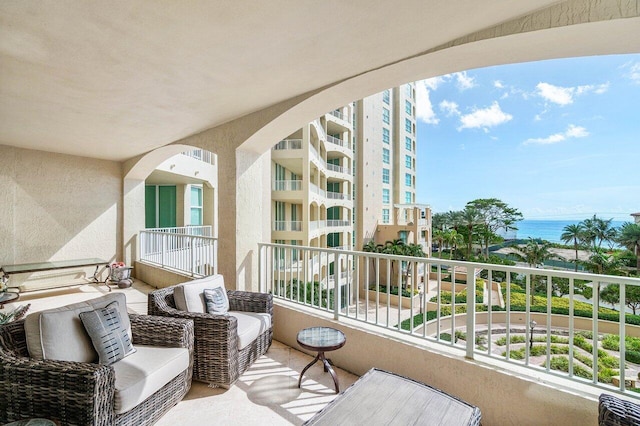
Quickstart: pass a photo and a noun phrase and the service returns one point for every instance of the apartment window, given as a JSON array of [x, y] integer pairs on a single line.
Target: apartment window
[[407, 107], [408, 143], [407, 125], [385, 115], [407, 179], [407, 197], [385, 196], [196, 205], [385, 215], [407, 161], [408, 91], [385, 96], [385, 155], [404, 236], [385, 175], [385, 135]]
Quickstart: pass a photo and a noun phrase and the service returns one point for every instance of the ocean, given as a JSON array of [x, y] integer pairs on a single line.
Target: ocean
[[549, 230]]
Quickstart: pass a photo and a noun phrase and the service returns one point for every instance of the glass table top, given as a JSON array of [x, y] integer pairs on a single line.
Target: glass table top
[[321, 337], [57, 264]]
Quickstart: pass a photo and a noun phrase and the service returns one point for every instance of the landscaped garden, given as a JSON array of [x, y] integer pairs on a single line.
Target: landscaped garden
[[608, 345]]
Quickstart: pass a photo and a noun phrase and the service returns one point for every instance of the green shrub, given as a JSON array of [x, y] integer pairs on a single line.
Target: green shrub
[[632, 356], [560, 363]]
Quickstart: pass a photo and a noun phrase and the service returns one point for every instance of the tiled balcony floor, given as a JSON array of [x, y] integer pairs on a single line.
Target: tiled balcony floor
[[267, 394]]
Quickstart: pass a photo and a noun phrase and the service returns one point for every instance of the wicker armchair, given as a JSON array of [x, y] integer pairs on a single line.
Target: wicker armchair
[[217, 359], [613, 411], [76, 393]]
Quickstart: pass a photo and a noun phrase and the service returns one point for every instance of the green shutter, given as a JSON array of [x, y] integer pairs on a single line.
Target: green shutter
[[150, 207]]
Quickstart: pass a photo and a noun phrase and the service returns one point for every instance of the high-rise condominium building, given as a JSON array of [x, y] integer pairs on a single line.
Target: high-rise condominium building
[[357, 162]]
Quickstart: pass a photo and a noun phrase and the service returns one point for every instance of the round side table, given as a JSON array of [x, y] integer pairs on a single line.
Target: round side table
[[321, 340], [8, 297]]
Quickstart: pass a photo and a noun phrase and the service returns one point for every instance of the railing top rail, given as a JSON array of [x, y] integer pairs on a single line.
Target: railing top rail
[[476, 265]]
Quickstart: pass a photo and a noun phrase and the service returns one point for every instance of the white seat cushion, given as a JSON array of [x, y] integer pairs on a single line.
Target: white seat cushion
[[189, 296], [59, 334], [144, 372], [250, 326]]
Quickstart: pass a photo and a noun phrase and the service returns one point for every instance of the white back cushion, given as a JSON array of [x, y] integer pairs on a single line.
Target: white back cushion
[[189, 296], [59, 334]]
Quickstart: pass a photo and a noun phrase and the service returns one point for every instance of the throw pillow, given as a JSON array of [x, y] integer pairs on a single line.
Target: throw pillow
[[109, 337], [217, 300]]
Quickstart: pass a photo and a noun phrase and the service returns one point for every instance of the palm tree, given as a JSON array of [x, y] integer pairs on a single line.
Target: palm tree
[[597, 230], [629, 236], [573, 233], [470, 218], [602, 263], [414, 250], [439, 236], [535, 252], [453, 239]]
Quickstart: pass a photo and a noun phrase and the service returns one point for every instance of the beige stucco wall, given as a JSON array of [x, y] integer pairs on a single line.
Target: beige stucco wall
[[57, 207], [505, 397]]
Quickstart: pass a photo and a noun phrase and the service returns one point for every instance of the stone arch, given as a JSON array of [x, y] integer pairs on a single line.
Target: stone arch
[[135, 172]]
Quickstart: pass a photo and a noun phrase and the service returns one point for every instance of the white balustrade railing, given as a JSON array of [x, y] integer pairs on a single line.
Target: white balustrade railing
[[202, 155], [287, 225], [339, 169], [288, 144], [200, 230], [339, 114], [338, 196], [508, 304], [339, 142], [287, 185], [334, 222], [192, 254]]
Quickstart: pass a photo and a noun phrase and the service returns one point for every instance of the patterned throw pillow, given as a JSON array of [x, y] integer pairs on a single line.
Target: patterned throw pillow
[[108, 335], [217, 300]]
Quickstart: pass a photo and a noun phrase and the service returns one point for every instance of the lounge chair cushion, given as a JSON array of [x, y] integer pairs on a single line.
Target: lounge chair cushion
[[144, 372], [189, 296], [250, 326], [108, 335], [58, 333]]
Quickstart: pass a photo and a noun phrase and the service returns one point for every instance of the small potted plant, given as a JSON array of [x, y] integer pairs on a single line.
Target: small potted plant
[[120, 274]]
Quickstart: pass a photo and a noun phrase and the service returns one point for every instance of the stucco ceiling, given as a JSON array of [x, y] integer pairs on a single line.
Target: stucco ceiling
[[116, 79]]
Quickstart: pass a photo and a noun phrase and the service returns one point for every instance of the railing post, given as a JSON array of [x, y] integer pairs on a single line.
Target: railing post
[[336, 285], [471, 310], [164, 250]]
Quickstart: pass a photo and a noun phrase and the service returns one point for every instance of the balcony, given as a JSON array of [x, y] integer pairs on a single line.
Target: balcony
[[287, 225], [372, 319], [335, 141], [288, 144], [189, 250], [287, 185]]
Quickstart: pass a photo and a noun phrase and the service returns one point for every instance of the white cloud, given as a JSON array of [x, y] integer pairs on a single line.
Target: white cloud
[[449, 108], [565, 95], [463, 81], [555, 94], [634, 72], [484, 118], [498, 84], [424, 107], [434, 82], [571, 132]]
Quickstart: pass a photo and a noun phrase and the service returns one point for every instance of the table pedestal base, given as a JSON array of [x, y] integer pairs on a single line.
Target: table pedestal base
[[327, 368]]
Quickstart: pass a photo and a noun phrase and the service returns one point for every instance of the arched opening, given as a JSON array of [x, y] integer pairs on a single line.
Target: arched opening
[[177, 218]]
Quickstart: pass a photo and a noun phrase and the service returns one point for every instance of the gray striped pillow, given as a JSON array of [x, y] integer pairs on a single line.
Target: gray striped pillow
[[109, 337], [217, 300]]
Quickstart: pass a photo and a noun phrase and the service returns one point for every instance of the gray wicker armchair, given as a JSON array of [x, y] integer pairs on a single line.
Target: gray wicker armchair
[[77, 393], [217, 359], [613, 411]]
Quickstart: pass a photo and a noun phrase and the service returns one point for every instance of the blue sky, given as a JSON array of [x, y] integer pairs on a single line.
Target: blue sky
[[556, 139]]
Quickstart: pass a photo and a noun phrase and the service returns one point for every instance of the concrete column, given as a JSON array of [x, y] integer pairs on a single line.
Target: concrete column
[[244, 213], [132, 219]]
